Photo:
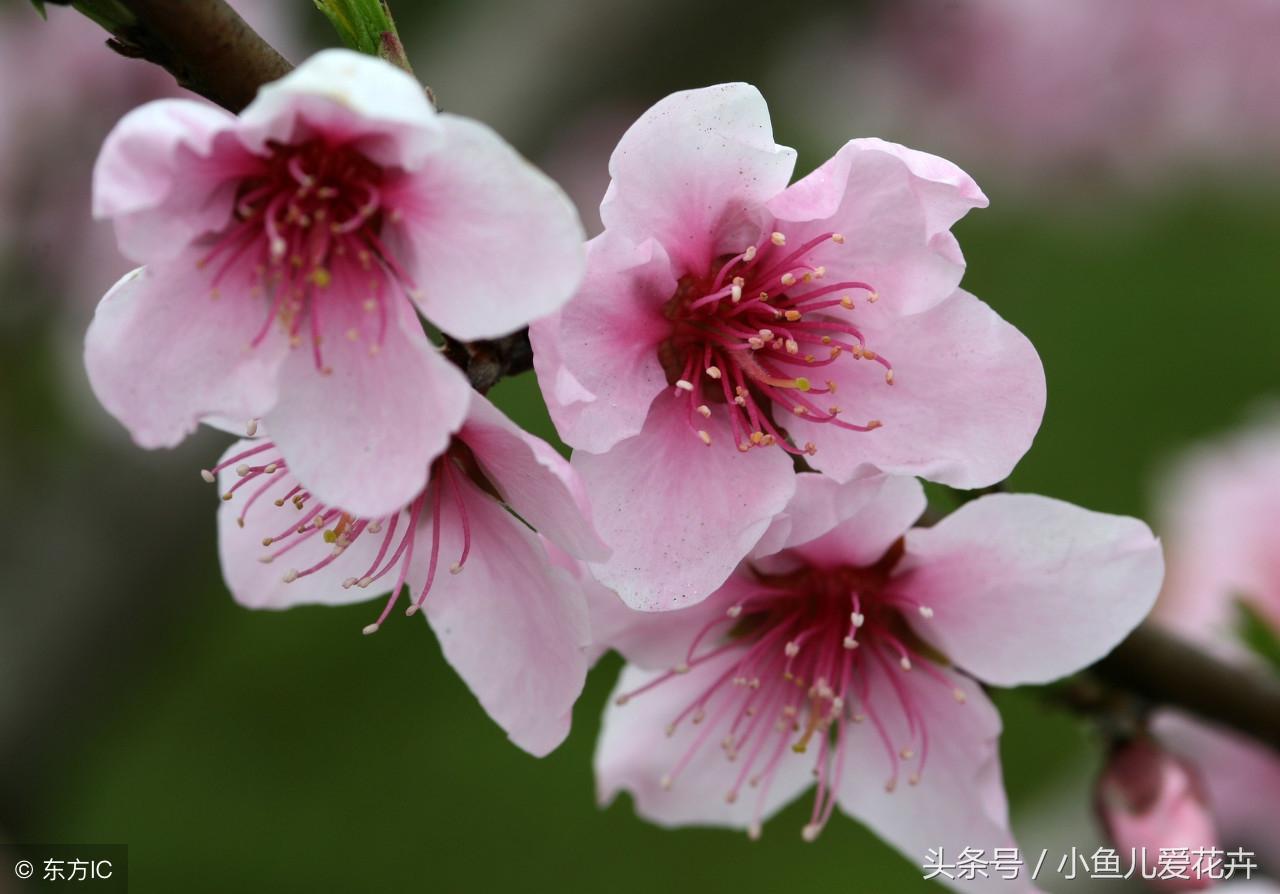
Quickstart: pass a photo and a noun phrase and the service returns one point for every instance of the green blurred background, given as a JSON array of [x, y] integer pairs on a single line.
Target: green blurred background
[[234, 750]]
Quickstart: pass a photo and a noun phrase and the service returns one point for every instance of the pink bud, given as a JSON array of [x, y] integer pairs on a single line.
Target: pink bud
[[1149, 798]]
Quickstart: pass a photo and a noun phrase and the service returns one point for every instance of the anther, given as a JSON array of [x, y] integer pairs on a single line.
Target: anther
[[684, 385], [704, 411], [837, 238], [777, 238], [705, 437], [713, 371], [208, 476]]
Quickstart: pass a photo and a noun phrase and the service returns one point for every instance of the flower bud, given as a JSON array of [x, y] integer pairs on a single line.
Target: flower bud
[[1148, 798]]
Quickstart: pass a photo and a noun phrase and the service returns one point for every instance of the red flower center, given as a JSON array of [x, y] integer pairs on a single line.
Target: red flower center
[[754, 334]]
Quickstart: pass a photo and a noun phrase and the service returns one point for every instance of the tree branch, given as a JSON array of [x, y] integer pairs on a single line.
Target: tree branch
[[204, 44], [1163, 669]]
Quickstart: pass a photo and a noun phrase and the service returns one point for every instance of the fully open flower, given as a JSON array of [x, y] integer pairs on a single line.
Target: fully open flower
[[724, 311], [1221, 517], [847, 652], [285, 252], [512, 624]]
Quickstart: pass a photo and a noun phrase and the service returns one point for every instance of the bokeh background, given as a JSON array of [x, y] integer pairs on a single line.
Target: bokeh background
[[1129, 148]]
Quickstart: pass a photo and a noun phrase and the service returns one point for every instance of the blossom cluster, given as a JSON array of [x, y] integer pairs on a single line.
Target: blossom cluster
[[754, 375]]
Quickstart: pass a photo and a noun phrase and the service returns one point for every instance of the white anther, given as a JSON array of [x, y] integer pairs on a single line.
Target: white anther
[[926, 612], [837, 238], [736, 293], [778, 238], [713, 371], [291, 575], [788, 279], [857, 618], [243, 469], [810, 832], [251, 428], [455, 568], [906, 663], [704, 411], [705, 437], [684, 385], [792, 649], [208, 476], [734, 611], [850, 643], [753, 831], [369, 629]]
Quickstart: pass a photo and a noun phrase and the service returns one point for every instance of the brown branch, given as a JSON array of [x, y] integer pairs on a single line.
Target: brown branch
[[204, 44], [1162, 669]]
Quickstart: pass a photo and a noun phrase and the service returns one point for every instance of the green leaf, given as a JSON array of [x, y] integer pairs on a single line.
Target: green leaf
[[1259, 635], [366, 26]]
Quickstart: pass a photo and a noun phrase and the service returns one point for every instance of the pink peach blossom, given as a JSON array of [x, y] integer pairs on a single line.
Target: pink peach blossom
[[849, 649], [729, 322], [509, 621], [320, 216], [1221, 520], [1148, 800]]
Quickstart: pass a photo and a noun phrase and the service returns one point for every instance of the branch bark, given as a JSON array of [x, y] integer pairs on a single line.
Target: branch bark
[[204, 44], [1163, 669]]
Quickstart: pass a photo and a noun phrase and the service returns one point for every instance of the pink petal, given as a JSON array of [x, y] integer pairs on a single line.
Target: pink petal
[[966, 401], [346, 97], [536, 482], [256, 584], [1026, 589], [959, 800], [845, 524], [490, 242], [597, 359], [162, 354], [634, 753], [364, 436], [160, 179], [679, 514], [1242, 776], [895, 208], [661, 640], [695, 165], [511, 624]]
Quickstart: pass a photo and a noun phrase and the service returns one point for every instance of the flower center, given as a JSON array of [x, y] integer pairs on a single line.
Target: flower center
[[804, 648], [306, 229], [750, 335], [263, 473]]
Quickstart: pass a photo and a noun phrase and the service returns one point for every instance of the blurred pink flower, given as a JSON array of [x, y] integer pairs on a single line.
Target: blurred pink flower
[[513, 625], [337, 201], [1141, 87], [853, 635], [1221, 514], [1148, 800], [754, 303]]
